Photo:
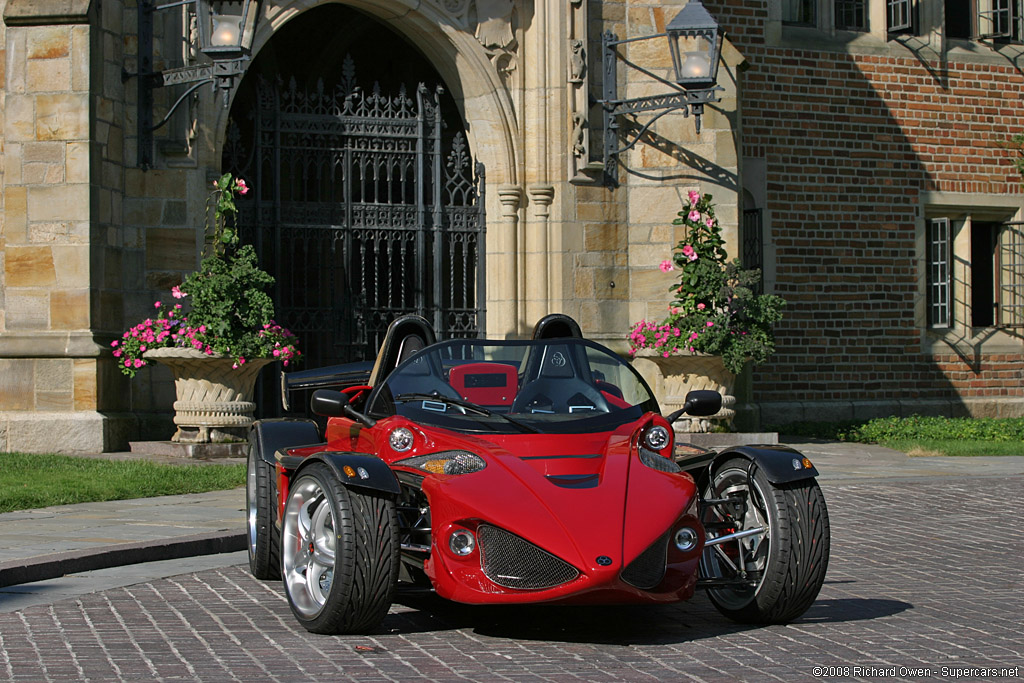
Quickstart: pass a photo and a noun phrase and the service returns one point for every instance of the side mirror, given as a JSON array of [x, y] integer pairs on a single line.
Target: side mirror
[[331, 403], [700, 403], [328, 403]]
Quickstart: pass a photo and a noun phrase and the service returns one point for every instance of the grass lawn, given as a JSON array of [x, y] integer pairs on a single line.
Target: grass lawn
[[916, 448], [34, 481], [918, 436]]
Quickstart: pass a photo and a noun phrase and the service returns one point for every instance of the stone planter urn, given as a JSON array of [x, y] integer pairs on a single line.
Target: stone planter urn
[[672, 378], [214, 401]]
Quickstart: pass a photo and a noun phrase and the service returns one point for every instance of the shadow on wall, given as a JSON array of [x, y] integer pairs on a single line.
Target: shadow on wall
[[850, 143]]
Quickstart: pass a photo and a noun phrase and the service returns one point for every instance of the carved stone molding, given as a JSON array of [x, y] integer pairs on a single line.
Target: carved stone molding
[[510, 196], [542, 195]]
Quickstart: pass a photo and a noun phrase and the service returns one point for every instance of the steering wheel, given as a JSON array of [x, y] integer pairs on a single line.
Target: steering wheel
[[558, 395]]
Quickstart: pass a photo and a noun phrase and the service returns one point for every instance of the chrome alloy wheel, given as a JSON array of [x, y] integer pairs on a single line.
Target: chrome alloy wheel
[[747, 556], [309, 543], [250, 500]]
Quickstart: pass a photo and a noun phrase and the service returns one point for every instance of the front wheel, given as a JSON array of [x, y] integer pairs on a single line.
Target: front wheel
[[339, 554], [261, 501], [771, 577]]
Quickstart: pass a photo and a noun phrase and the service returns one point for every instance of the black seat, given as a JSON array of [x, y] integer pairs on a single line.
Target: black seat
[[561, 384], [557, 326], [405, 336]]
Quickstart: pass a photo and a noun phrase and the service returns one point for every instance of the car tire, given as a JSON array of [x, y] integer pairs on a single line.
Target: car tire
[[261, 500], [339, 553], [788, 562]]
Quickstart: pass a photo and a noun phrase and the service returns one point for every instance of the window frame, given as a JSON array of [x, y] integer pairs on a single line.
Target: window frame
[[1009, 258], [951, 270], [939, 269], [812, 5], [905, 8], [841, 9]]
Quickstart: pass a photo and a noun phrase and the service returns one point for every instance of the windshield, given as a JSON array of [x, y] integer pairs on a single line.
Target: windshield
[[555, 385]]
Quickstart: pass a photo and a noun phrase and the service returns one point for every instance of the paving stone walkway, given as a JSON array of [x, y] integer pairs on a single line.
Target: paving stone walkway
[[925, 583]]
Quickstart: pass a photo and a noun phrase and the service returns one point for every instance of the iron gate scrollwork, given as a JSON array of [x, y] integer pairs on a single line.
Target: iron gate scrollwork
[[365, 209]]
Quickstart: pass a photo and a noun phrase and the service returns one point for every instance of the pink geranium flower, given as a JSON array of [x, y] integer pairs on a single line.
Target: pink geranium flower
[[694, 215], [241, 187], [689, 253], [177, 293], [666, 266], [694, 197]]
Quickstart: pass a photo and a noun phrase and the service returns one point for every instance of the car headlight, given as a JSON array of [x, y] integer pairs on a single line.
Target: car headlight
[[656, 438], [656, 461], [446, 462], [401, 439]]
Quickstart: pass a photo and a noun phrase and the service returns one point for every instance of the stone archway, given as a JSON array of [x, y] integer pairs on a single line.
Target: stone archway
[[367, 203], [482, 85]]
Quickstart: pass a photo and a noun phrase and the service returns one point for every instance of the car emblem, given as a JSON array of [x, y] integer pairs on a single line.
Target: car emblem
[[604, 560], [558, 360]]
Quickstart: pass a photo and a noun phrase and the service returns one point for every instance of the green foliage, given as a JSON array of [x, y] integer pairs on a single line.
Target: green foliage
[[715, 309], [944, 435], [231, 311], [1018, 144], [32, 481], [918, 427]]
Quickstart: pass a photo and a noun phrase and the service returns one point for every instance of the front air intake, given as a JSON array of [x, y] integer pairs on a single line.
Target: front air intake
[[648, 569], [513, 562]]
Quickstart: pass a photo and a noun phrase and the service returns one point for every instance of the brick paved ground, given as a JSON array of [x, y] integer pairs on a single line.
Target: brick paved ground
[[923, 574]]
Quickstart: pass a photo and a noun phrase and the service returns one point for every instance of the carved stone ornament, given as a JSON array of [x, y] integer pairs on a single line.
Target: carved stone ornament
[[577, 61], [494, 23]]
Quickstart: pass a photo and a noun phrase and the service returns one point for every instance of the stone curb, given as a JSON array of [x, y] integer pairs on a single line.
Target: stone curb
[[53, 566]]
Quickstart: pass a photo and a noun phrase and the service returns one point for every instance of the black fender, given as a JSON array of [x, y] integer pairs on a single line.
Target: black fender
[[781, 464], [355, 470], [278, 434]]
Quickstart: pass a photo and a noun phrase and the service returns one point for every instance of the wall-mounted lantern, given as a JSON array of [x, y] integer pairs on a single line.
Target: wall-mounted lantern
[[694, 44], [225, 30]]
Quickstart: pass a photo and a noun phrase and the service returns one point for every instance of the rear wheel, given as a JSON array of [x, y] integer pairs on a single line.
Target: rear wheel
[[771, 577], [339, 551], [261, 499]]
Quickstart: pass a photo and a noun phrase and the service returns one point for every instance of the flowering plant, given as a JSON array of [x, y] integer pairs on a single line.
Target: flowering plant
[[230, 311], [715, 309]]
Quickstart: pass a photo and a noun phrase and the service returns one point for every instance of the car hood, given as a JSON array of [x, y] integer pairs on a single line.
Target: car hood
[[580, 496]]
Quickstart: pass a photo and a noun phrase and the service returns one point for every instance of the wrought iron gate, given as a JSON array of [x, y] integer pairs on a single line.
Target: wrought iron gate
[[364, 210]]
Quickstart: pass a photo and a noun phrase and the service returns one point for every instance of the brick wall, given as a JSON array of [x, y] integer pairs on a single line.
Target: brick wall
[[850, 142]]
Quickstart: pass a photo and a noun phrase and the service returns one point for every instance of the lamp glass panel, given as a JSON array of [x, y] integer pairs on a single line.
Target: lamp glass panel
[[227, 31], [694, 58]]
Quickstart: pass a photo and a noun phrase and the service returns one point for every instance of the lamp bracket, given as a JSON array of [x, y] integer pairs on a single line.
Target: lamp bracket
[[679, 99], [670, 101]]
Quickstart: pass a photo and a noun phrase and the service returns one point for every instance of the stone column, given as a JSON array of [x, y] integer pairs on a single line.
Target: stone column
[[503, 274], [538, 256], [51, 365]]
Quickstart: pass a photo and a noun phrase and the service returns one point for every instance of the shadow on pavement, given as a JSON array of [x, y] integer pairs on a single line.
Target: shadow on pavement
[[610, 625]]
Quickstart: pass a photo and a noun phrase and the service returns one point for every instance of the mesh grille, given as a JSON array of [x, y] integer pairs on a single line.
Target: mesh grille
[[647, 570], [512, 562]]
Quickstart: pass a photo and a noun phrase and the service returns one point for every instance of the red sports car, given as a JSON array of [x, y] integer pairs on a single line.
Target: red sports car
[[519, 472]]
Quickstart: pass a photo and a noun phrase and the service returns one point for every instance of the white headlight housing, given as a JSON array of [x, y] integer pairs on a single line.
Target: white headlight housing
[[686, 539], [656, 438], [401, 439], [462, 542]]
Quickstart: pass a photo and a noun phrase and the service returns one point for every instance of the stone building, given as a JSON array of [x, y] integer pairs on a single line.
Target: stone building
[[844, 153]]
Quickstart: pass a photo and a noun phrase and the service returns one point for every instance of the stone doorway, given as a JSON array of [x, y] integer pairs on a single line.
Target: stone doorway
[[367, 201]]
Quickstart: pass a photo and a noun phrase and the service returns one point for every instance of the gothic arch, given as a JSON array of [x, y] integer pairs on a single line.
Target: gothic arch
[[457, 55]]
